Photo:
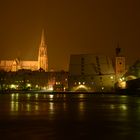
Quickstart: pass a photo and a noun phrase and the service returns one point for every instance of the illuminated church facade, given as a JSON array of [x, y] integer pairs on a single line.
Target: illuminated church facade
[[40, 64]]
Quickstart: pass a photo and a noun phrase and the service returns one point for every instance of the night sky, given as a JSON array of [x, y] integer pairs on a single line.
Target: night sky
[[72, 27]]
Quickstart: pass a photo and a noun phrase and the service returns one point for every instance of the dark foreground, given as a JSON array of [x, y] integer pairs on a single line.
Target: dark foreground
[[69, 117]]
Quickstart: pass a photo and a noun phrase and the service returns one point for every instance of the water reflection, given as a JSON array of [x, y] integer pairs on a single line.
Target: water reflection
[[14, 96], [123, 107], [36, 96], [64, 106], [36, 107], [77, 114], [28, 107], [112, 106], [51, 97], [14, 106], [28, 96], [51, 107], [44, 96], [52, 104], [81, 106], [82, 96]]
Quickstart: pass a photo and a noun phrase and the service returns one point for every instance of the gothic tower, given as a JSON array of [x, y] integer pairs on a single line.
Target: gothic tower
[[119, 64], [42, 56]]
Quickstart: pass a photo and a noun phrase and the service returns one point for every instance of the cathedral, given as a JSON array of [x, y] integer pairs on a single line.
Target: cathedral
[[40, 64]]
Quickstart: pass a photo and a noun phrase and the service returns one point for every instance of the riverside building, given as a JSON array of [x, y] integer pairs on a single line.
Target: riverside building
[[95, 73]]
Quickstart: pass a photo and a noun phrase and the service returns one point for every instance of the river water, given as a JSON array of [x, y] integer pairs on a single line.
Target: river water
[[69, 116]]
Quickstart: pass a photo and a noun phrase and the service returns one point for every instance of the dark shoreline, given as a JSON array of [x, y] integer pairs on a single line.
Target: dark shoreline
[[118, 92]]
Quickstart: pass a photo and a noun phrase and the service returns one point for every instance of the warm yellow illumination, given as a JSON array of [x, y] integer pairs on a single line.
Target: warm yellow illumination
[[103, 88], [50, 88], [36, 86], [44, 88], [51, 96], [28, 96], [57, 83], [28, 106], [14, 106], [83, 83], [120, 79], [12, 86], [12, 96], [36, 96], [36, 107], [51, 107], [28, 85], [111, 77], [64, 88], [122, 84], [123, 107], [17, 96], [81, 87], [123, 78], [82, 95]]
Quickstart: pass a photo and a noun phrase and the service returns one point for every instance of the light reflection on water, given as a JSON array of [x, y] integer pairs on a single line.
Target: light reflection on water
[[51, 99], [79, 113], [14, 106], [51, 104]]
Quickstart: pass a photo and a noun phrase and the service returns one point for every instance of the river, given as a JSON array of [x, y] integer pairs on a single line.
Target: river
[[41, 116]]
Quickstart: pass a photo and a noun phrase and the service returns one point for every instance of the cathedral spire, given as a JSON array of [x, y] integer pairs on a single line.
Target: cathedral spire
[[42, 55], [43, 41]]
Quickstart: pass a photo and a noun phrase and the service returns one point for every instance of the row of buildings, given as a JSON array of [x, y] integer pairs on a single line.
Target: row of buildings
[[87, 72]]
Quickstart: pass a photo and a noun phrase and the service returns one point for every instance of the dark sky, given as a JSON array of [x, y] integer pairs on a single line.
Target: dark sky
[[72, 26]]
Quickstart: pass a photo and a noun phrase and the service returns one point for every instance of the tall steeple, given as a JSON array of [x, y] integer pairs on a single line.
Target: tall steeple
[[42, 55], [43, 41]]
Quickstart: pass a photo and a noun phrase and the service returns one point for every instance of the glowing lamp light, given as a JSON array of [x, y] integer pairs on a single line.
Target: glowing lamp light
[[122, 84], [83, 83], [111, 77], [51, 96], [28, 85], [123, 78], [13, 86], [50, 88]]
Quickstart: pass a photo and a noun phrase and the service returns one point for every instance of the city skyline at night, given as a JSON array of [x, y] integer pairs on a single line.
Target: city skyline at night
[[72, 27], [38, 64]]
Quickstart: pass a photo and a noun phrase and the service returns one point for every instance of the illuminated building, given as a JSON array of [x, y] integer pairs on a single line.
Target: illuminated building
[[17, 64], [90, 72], [96, 73], [120, 69], [34, 80], [119, 64]]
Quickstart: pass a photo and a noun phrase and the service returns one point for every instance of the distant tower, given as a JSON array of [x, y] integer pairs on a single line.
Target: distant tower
[[120, 63], [42, 56]]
